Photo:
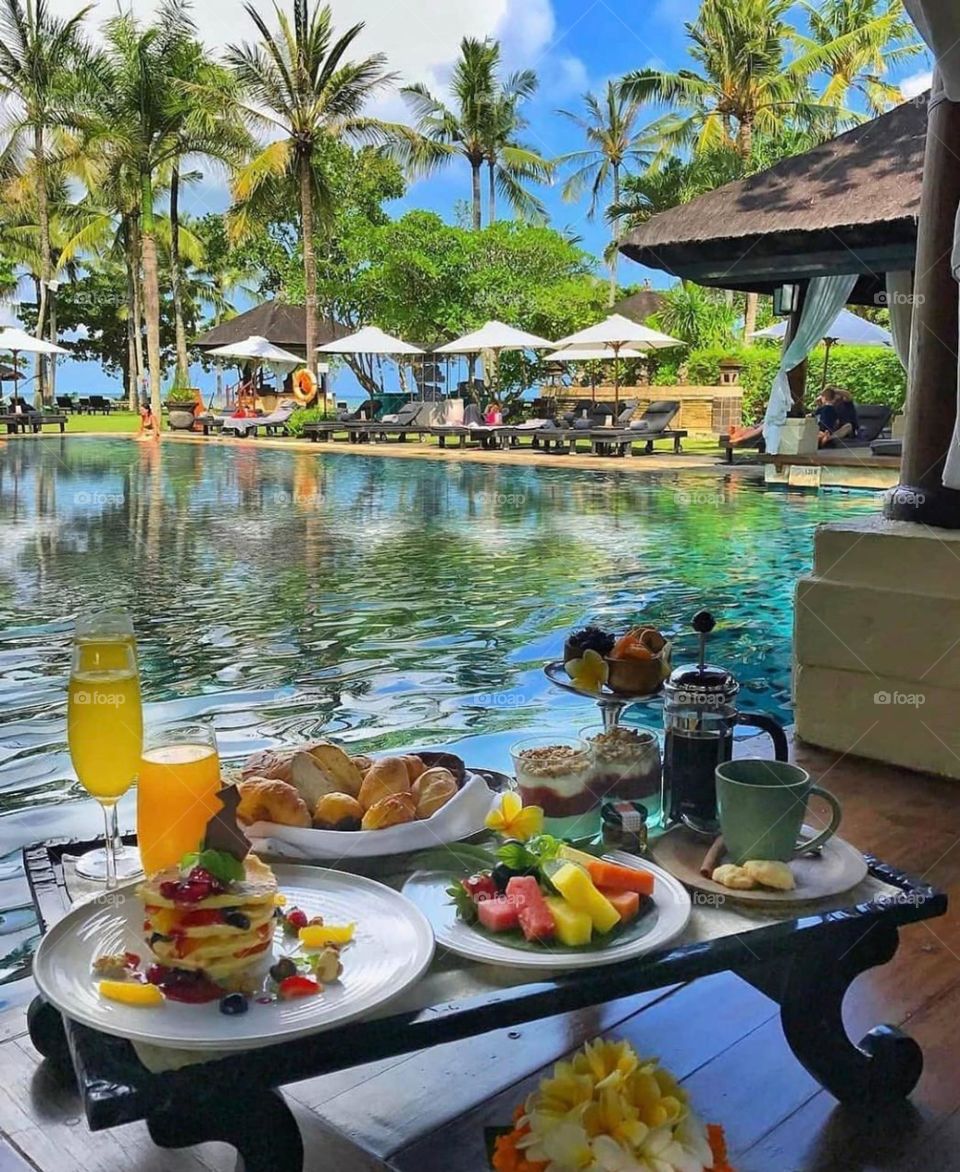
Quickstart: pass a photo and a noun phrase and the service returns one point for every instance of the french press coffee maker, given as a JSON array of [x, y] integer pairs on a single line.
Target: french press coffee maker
[[698, 718]]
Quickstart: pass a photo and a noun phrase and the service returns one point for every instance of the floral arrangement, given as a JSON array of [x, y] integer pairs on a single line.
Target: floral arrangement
[[607, 1110]]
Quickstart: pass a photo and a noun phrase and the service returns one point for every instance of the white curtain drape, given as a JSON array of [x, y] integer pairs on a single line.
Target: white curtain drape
[[938, 22], [900, 305], [826, 296]]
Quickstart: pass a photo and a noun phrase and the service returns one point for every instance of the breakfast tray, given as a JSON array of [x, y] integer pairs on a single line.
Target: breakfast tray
[[805, 959]]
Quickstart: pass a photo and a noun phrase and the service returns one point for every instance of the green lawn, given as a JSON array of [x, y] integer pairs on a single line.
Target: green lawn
[[115, 421]]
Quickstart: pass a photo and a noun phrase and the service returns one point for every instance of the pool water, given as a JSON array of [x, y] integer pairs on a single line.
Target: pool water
[[386, 602]]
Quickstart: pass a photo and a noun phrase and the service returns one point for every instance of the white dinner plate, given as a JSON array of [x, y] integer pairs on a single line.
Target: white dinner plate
[[392, 948], [663, 922]]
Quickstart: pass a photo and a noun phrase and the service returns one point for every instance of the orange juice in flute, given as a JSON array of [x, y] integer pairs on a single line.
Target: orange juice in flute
[[176, 794]]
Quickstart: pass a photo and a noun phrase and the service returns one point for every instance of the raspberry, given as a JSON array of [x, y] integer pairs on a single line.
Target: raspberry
[[296, 918]]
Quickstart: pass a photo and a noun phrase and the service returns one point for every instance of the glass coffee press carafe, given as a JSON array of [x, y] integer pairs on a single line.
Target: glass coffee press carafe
[[698, 720]]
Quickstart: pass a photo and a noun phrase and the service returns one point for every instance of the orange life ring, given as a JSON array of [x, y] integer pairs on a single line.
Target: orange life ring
[[304, 385]]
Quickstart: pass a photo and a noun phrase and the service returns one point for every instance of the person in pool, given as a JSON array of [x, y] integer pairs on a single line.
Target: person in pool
[[149, 424], [836, 416]]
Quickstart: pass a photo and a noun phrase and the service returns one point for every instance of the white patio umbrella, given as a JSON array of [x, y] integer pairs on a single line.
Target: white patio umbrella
[[370, 340], [18, 341], [256, 348], [846, 328], [495, 336], [591, 354], [617, 331]]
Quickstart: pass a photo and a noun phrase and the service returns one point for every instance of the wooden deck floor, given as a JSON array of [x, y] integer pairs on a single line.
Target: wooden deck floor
[[421, 1114]]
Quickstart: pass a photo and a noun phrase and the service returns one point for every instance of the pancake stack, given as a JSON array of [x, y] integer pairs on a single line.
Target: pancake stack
[[224, 935]]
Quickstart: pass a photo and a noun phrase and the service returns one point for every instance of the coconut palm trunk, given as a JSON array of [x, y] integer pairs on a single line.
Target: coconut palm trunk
[[151, 288], [309, 259], [183, 362], [491, 191], [615, 258], [46, 251], [475, 174], [134, 268]]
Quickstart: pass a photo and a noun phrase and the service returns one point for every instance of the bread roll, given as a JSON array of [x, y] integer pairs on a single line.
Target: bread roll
[[338, 767], [338, 812], [383, 779], [270, 765], [415, 766], [311, 782], [433, 789], [769, 873], [266, 800], [734, 877], [391, 811]]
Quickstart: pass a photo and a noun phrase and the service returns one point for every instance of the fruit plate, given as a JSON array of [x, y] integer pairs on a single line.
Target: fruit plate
[[392, 948], [462, 817], [556, 673], [662, 922]]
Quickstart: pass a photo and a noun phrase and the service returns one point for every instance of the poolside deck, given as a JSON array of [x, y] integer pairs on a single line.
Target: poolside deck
[[722, 1037]]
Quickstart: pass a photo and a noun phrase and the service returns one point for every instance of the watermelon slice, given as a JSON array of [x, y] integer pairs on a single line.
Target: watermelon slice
[[500, 914], [536, 919]]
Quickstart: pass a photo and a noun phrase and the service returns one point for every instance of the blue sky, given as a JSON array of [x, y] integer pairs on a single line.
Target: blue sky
[[574, 45]]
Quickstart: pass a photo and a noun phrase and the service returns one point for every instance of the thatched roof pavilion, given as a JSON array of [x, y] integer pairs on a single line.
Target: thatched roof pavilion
[[849, 205], [283, 325]]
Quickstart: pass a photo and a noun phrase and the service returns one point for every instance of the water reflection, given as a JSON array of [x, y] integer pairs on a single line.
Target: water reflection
[[389, 601]]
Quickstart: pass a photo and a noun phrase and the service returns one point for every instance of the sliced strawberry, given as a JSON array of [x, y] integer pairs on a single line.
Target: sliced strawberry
[[297, 986]]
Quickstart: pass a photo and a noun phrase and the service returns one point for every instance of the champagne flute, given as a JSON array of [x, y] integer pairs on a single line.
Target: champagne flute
[[105, 731], [176, 793]]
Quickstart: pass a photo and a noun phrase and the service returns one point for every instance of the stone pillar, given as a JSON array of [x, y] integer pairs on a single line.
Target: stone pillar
[[932, 390]]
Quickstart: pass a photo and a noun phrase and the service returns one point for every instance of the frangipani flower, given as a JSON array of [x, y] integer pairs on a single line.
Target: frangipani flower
[[512, 819], [590, 672]]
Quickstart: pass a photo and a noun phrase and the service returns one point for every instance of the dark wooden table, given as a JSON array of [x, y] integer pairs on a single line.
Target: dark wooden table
[[805, 962]]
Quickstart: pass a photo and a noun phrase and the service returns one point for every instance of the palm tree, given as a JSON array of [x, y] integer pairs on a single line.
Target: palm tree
[[481, 127], [614, 141], [302, 83], [866, 38], [43, 63], [744, 82]]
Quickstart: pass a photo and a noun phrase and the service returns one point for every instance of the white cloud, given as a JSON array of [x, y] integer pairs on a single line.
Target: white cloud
[[916, 84]]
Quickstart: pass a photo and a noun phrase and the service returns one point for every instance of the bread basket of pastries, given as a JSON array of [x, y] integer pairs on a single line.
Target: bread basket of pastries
[[318, 801]]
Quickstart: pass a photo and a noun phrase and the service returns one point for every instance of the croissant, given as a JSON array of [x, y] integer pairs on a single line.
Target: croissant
[[384, 778], [433, 789], [391, 811], [263, 800], [338, 812]]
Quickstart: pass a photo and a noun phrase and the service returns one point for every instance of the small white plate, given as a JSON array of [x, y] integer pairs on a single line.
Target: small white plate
[[664, 922], [392, 948]]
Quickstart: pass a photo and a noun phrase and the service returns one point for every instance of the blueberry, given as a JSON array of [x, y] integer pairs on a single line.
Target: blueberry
[[282, 969], [236, 919], [233, 1004]]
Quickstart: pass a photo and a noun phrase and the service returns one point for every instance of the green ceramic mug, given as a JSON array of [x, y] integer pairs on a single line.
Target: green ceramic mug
[[762, 806]]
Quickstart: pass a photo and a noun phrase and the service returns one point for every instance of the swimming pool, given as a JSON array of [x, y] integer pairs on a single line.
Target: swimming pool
[[384, 601]]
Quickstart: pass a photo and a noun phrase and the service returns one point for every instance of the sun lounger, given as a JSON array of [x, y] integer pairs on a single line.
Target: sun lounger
[[751, 441], [887, 447], [411, 419], [99, 404], [24, 421], [66, 403], [473, 427], [276, 421], [653, 425], [873, 418]]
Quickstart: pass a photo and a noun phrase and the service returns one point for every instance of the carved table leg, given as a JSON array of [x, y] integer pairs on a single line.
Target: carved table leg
[[45, 1026], [259, 1125], [887, 1064]]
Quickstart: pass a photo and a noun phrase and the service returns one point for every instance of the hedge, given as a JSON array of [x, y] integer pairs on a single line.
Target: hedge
[[872, 374]]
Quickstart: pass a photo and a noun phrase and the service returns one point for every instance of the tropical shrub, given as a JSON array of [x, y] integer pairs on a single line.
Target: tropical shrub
[[304, 415]]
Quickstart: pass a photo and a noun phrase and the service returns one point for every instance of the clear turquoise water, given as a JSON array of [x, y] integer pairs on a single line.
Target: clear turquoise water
[[387, 602]]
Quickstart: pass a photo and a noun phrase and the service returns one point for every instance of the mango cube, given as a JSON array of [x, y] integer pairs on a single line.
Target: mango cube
[[578, 889], [320, 935], [572, 927]]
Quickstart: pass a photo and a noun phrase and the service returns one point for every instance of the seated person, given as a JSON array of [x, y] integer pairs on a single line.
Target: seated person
[[836, 416], [149, 424], [493, 415]]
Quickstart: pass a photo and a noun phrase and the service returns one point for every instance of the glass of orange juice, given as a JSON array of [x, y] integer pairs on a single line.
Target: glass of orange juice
[[176, 793], [105, 730]]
